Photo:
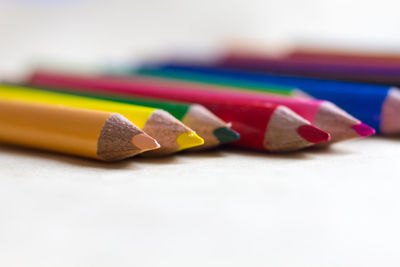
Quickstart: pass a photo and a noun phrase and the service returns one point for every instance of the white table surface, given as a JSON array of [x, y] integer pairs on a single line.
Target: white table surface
[[320, 207]]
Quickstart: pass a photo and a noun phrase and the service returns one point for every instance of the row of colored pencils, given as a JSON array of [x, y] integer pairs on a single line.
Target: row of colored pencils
[[246, 98]]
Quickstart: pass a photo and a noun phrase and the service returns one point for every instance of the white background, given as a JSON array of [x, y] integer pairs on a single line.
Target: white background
[[91, 31], [334, 207]]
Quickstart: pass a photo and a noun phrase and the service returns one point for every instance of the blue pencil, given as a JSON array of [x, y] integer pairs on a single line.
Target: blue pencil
[[375, 105]]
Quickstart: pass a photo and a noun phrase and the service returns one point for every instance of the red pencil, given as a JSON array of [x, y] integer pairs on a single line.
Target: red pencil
[[340, 124]]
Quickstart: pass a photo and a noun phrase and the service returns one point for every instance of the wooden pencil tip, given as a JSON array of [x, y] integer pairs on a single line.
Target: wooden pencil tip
[[340, 124], [287, 131], [119, 139], [301, 94], [211, 128], [390, 119], [170, 133]]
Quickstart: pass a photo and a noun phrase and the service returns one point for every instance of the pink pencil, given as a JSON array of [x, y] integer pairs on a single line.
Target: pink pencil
[[323, 114]]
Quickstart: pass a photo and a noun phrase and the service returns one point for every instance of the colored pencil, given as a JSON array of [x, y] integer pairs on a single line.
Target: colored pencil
[[262, 126], [88, 133], [212, 129], [388, 74], [375, 105], [170, 133]]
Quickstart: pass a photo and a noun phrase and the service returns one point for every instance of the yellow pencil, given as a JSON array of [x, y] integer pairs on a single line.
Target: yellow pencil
[[83, 132], [170, 133]]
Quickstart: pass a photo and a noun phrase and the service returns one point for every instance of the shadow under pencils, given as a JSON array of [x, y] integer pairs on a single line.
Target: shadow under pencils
[[68, 159], [328, 149], [295, 155], [393, 137], [174, 158], [219, 152]]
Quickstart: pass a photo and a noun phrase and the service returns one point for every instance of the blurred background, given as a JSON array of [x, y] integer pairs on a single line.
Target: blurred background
[[106, 31]]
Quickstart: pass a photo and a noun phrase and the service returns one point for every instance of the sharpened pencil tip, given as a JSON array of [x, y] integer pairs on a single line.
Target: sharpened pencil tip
[[313, 134], [226, 135], [363, 130], [188, 139]]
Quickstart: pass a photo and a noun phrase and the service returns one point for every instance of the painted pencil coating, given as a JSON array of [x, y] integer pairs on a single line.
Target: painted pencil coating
[[87, 133], [169, 132], [248, 117]]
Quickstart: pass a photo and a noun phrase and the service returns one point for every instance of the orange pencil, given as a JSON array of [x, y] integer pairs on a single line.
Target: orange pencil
[[88, 133]]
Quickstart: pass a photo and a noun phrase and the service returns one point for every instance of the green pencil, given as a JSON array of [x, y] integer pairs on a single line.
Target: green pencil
[[212, 129]]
